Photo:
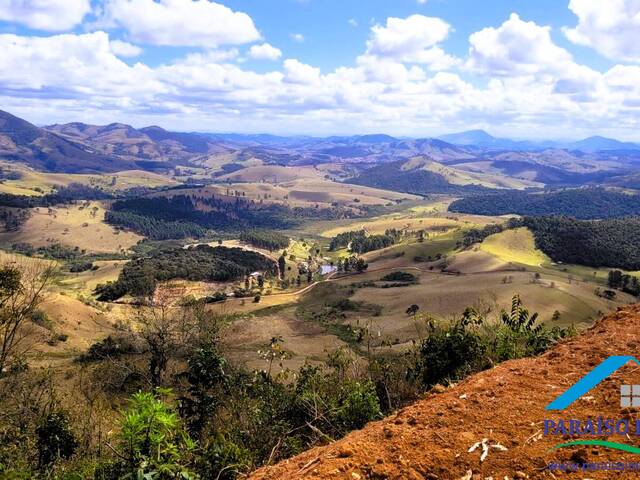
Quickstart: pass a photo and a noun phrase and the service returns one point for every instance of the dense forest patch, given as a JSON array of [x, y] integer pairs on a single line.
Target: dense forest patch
[[199, 263], [183, 216], [583, 203], [265, 239], [359, 242], [596, 243]]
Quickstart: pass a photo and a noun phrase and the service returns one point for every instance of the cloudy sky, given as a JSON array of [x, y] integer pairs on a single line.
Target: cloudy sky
[[521, 68]]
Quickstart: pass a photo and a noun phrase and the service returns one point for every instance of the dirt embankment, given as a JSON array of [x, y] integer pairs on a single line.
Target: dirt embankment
[[431, 439]]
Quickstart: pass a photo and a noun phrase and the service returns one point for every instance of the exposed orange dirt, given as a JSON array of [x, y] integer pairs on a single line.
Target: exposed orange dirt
[[505, 405]]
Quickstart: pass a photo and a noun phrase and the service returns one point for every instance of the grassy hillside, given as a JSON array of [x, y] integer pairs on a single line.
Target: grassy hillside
[[517, 246], [79, 226]]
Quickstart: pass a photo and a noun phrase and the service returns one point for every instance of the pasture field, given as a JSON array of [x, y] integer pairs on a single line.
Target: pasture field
[[77, 225], [85, 282], [32, 182], [446, 296], [516, 246]]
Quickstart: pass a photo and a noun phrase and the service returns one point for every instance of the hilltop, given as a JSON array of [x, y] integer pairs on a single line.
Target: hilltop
[[431, 438]]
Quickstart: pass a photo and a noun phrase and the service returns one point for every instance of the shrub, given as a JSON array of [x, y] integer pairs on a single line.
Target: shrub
[[151, 442], [359, 405], [55, 440], [223, 459], [450, 353], [109, 347], [400, 277]]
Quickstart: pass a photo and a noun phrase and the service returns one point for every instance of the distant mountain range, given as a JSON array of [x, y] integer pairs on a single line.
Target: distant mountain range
[[79, 147], [480, 138]]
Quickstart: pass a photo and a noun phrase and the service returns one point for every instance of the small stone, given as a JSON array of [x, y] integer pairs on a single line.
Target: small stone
[[467, 436], [438, 388], [355, 476], [345, 452], [520, 474]]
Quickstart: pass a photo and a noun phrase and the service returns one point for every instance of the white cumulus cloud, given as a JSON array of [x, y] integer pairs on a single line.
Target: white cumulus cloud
[[411, 40], [264, 52], [611, 27], [125, 49], [516, 47], [298, 72], [191, 23], [50, 15]]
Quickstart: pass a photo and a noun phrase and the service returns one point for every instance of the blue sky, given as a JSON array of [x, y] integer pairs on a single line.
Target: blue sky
[[525, 69]]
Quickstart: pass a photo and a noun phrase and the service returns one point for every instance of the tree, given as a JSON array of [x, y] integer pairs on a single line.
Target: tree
[[361, 265], [413, 309], [171, 326], [282, 264], [615, 279], [207, 386], [21, 290], [55, 439]]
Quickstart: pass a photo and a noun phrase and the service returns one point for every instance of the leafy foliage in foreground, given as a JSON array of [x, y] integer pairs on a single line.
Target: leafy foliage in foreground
[[152, 442], [453, 351]]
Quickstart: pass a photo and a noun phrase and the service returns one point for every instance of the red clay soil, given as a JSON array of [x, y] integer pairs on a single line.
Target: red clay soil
[[505, 405]]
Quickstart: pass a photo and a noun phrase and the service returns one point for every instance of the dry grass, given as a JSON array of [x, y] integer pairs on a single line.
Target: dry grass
[[73, 226], [46, 182]]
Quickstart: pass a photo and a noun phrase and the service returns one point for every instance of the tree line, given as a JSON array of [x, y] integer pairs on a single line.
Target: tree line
[[140, 276], [182, 216], [581, 203], [360, 242], [267, 239], [596, 243]]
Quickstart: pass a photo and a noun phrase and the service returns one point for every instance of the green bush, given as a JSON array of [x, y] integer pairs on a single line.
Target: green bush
[[449, 353], [223, 459], [400, 277], [151, 442], [358, 406]]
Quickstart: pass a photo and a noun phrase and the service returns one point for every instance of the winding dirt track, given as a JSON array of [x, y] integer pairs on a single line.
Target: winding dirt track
[[431, 439]]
